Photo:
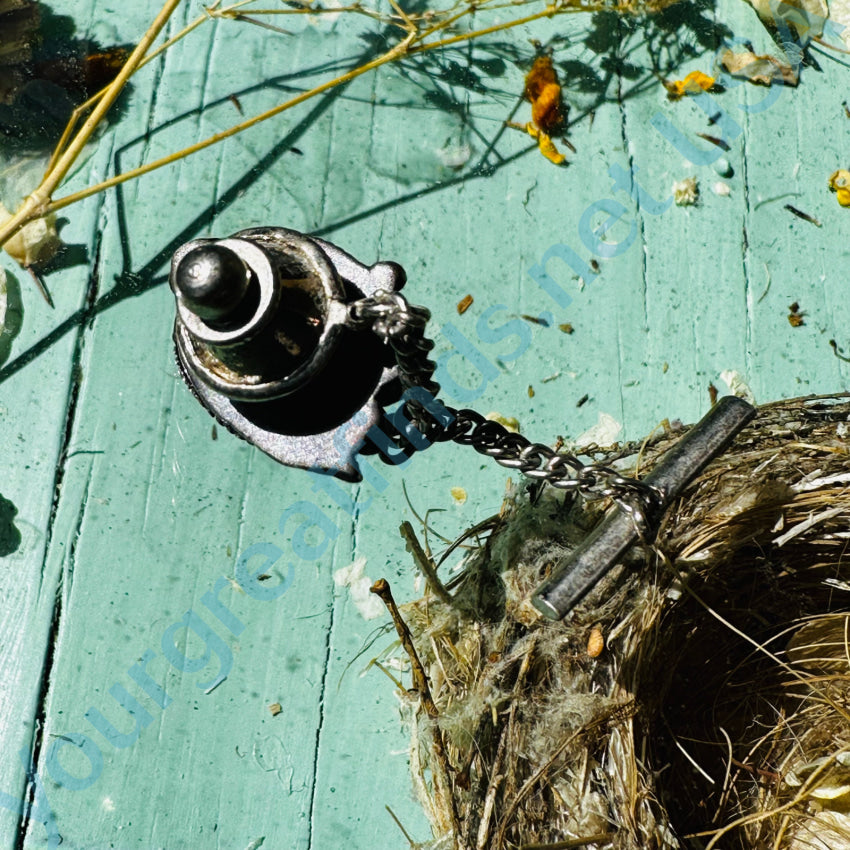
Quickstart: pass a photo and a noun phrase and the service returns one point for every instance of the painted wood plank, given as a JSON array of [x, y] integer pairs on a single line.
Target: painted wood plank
[[38, 376]]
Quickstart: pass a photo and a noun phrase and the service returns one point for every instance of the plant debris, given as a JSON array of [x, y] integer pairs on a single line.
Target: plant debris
[[803, 215], [694, 83], [795, 317], [839, 183], [508, 422], [686, 192], [547, 109], [701, 688], [275, 708], [762, 70], [464, 304], [459, 495], [566, 327], [837, 351], [358, 584], [595, 642], [544, 91], [720, 143]]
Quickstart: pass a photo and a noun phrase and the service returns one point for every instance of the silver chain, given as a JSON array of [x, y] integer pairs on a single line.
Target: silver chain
[[402, 326]]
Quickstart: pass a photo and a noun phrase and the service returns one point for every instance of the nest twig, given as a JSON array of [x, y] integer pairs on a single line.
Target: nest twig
[[718, 713]]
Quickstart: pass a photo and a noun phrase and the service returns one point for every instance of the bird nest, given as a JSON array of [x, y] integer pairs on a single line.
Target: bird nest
[[698, 697]]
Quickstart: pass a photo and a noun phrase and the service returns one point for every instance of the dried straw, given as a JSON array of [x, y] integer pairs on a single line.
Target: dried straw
[[716, 716]]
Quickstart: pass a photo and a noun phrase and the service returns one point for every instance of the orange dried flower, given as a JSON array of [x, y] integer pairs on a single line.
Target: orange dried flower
[[544, 92]]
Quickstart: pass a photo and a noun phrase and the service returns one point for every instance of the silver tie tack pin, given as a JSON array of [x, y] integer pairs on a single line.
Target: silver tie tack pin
[[298, 348]]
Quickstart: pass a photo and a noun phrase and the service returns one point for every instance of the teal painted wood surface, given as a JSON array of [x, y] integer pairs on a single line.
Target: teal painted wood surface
[[129, 511]]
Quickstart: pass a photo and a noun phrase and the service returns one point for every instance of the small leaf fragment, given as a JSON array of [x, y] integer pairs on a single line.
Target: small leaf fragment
[[762, 70]]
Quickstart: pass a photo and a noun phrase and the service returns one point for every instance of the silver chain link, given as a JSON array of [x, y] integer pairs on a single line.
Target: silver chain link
[[402, 326]]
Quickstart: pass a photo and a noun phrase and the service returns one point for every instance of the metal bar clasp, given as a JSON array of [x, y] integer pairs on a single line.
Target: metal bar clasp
[[617, 532]]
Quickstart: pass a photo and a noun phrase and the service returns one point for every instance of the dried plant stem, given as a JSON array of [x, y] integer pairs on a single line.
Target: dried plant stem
[[391, 55], [36, 204], [600, 838], [39, 203], [532, 780], [496, 776], [381, 588], [399, 824], [424, 563], [798, 798]]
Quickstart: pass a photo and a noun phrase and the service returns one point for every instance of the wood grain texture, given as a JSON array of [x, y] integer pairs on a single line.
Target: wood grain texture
[[130, 511]]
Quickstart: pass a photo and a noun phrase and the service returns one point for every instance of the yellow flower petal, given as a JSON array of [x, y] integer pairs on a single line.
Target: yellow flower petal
[[548, 149], [839, 182], [694, 83]]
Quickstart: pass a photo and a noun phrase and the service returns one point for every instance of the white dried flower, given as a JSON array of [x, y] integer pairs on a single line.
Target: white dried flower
[[36, 242]]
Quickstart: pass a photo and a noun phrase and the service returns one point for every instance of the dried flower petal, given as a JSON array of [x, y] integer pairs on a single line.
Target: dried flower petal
[[547, 116], [694, 83], [548, 149], [762, 70]]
